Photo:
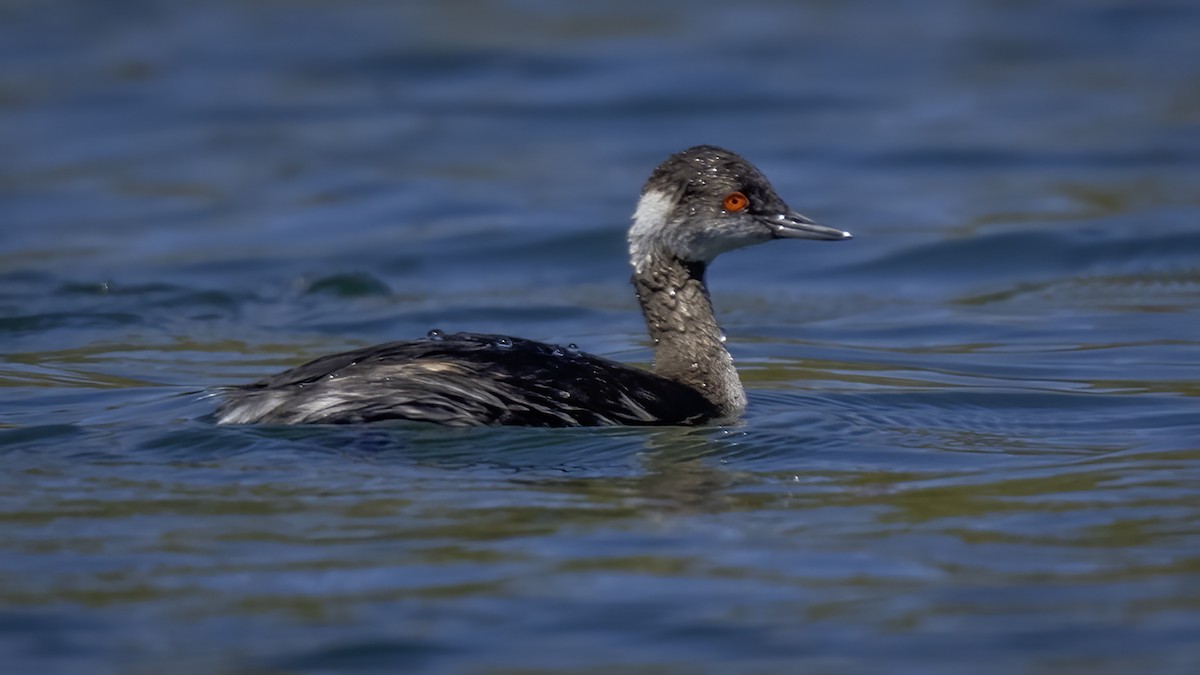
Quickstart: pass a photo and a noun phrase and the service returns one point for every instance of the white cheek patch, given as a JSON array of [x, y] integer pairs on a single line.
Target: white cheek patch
[[649, 224], [653, 232]]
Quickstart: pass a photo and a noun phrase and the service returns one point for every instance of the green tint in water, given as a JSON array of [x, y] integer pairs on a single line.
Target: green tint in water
[[971, 442]]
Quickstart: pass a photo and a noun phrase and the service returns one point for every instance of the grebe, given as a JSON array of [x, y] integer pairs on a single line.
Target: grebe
[[697, 204]]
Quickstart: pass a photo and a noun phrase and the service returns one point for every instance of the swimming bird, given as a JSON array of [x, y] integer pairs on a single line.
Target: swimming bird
[[697, 204]]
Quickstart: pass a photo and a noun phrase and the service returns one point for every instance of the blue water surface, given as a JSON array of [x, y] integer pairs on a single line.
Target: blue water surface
[[972, 437]]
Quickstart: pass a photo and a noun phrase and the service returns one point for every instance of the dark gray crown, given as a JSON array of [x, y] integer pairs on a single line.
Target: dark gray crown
[[706, 173]]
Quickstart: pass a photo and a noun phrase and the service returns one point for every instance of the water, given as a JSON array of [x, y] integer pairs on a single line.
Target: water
[[971, 443]]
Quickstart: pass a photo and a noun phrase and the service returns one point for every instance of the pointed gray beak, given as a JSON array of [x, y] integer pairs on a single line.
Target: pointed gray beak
[[792, 225]]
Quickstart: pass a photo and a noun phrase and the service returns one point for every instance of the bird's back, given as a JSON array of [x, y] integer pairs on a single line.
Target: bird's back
[[466, 379]]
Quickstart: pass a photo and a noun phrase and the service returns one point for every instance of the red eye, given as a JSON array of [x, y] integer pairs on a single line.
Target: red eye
[[735, 201]]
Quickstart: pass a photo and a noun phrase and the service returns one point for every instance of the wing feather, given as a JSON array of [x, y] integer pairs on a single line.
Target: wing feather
[[466, 379]]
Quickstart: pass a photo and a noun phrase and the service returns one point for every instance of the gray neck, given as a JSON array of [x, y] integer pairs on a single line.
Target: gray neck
[[688, 344]]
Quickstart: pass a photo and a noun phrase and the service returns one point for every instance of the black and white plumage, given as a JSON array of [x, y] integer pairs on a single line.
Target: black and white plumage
[[697, 204], [467, 379]]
